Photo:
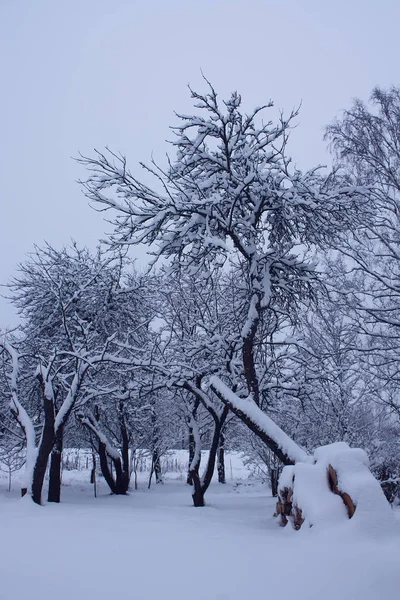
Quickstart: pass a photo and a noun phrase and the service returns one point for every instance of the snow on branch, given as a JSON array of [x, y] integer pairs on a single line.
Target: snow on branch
[[71, 396], [91, 423], [287, 450]]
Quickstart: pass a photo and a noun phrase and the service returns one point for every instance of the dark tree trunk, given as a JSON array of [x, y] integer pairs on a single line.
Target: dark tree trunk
[[39, 470], [194, 466], [119, 484], [192, 446], [155, 454], [198, 492], [221, 459], [123, 479], [48, 439], [157, 466], [207, 477], [93, 474], [114, 468], [105, 468], [45, 448], [249, 364], [274, 482], [93, 471], [202, 485], [55, 468], [189, 479]]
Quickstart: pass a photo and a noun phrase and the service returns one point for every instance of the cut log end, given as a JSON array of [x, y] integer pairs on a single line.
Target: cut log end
[[284, 506], [333, 484]]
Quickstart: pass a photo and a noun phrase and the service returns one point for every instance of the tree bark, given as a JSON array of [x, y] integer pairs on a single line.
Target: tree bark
[[105, 468], [192, 445], [274, 475], [202, 485], [157, 466], [155, 454], [249, 365], [93, 480], [221, 459], [44, 450], [112, 461], [121, 478], [54, 493], [124, 478], [119, 484], [189, 479], [198, 492]]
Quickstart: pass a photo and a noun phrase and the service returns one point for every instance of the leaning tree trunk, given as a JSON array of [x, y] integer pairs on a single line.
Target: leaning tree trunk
[[105, 467], [119, 484], [54, 493], [282, 446], [250, 412]]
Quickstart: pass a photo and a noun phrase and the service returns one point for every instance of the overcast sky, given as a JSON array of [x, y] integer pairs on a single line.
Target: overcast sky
[[88, 73]]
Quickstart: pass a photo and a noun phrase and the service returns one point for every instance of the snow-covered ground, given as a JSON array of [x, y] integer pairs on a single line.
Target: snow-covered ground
[[154, 545]]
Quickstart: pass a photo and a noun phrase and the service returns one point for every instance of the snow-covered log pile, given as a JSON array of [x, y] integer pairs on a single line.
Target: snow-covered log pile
[[336, 486]]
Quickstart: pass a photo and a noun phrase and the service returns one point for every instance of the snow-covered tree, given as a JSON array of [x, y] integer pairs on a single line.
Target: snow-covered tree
[[66, 300], [196, 342], [230, 201], [366, 142]]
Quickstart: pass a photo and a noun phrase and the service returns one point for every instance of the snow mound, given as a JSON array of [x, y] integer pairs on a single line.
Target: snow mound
[[338, 488], [312, 494], [286, 478], [372, 510], [331, 452]]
